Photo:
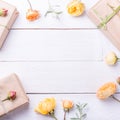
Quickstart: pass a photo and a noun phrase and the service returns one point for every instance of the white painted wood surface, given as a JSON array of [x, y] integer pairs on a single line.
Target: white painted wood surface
[[59, 58]]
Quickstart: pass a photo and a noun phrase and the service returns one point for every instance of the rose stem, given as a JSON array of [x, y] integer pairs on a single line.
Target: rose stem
[[53, 116], [30, 4], [64, 115], [115, 98], [4, 99]]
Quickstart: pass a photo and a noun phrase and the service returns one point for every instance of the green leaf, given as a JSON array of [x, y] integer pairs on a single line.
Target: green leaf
[[84, 116], [80, 115], [84, 105], [75, 118], [77, 115]]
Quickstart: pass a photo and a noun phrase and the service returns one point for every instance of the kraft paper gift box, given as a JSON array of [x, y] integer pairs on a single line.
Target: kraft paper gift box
[[11, 83], [106, 15], [7, 21]]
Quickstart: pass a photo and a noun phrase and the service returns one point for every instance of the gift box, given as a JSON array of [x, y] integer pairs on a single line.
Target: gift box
[[7, 21], [11, 83], [106, 15]]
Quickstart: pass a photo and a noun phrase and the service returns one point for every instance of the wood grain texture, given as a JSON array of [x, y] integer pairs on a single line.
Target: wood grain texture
[[54, 45], [61, 77]]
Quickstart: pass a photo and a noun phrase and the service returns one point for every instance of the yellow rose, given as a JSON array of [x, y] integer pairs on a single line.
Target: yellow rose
[[111, 58], [106, 90], [46, 106], [67, 104], [75, 8]]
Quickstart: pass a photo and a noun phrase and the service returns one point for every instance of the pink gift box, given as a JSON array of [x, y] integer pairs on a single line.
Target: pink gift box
[[7, 21], [99, 14]]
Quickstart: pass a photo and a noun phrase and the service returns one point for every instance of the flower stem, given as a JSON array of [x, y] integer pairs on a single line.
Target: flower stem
[[118, 58], [64, 115], [115, 98], [30, 4], [4, 99], [53, 116]]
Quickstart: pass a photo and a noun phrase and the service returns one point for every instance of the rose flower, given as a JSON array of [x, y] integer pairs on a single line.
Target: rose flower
[[106, 90], [32, 15], [46, 107], [111, 58], [11, 96], [3, 12], [67, 105], [75, 8]]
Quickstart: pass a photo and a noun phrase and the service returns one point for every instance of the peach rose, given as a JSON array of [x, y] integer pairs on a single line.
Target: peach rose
[[67, 104], [32, 15], [111, 58], [75, 8], [106, 90]]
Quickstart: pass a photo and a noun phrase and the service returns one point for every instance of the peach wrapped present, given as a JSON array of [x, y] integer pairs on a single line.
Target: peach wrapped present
[[7, 18], [106, 15], [18, 95]]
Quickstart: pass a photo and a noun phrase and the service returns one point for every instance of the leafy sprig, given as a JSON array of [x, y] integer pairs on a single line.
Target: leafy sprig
[[80, 114], [53, 9]]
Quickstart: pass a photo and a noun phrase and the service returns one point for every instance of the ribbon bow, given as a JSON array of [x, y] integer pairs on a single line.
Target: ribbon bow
[[108, 17]]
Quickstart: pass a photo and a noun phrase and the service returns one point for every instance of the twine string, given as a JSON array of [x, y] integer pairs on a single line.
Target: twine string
[[3, 107], [108, 17]]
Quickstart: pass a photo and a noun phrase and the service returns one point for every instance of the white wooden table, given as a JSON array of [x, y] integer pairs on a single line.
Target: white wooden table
[[62, 58]]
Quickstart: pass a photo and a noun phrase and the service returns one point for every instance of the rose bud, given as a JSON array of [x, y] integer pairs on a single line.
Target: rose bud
[[32, 15], [11, 96], [76, 8], [3, 12], [111, 58], [67, 104]]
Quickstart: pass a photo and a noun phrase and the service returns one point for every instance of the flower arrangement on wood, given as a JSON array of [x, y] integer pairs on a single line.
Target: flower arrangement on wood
[[107, 90], [31, 14], [111, 58], [47, 107], [67, 105], [76, 8], [11, 96], [3, 12]]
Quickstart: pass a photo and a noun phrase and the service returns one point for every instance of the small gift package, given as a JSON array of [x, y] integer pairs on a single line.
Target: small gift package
[[106, 15], [8, 14], [12, 94]]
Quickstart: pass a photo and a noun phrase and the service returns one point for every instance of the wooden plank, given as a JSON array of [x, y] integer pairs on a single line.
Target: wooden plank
[[66, 21], [40, 45], [61, 77], [108, 47], [96, 109]]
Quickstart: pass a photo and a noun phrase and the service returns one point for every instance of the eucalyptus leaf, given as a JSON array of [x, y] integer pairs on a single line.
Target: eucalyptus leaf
[[80, 114], [75, 118]]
